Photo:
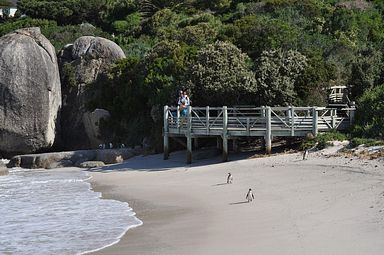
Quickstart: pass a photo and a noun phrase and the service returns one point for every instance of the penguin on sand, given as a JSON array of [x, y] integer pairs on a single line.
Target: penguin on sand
[[249, 196], [229, 178], [305, 154]]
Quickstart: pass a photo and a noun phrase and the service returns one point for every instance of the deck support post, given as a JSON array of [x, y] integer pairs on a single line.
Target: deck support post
[[292, 115], [166, 133], [235, 145], [196, 143], [207, 119], [189, 135], [189, 149], [315, 117], [268, 134], [225, 134], [351, 117], [219, 144]]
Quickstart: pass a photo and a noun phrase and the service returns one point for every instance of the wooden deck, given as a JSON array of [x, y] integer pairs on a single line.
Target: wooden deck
[[266, 122]]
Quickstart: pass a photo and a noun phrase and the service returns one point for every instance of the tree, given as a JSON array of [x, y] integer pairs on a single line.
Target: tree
[[200, 29], [165, 66], [370, 114], [131, 25], [254, 34], [366, 71], [64, 11], [222, 75], [4, 3], [276, 74]]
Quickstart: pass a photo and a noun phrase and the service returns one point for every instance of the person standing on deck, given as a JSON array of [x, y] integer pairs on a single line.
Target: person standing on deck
[[181, 95], [187, 99], [249, 196], [185, 103]]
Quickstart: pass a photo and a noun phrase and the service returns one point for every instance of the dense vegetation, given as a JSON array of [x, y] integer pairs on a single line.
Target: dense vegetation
[[254, 52]]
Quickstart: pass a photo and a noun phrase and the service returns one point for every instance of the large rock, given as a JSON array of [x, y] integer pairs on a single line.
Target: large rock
[[82, 64], [92, 122], [30, 92]]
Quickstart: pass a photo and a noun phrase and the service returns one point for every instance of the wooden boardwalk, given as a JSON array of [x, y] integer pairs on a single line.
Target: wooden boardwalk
[[267, 122]]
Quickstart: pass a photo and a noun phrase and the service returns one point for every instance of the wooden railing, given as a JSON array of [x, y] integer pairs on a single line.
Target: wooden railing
[[267, 122]]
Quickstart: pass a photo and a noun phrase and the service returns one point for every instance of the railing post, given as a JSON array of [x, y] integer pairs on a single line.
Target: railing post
[[248, 127], [178, 117], [292, 110], [333, 113], [315, 117], [225, 134], [207, 120], [166, 133], [268, 128], [189, 135]]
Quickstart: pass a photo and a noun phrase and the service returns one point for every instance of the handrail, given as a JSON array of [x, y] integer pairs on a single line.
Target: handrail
[[248, 119]]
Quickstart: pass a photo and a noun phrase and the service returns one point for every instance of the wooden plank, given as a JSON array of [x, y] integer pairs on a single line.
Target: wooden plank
[[225, 130], [207, 118], [268, 134], [166, 131]]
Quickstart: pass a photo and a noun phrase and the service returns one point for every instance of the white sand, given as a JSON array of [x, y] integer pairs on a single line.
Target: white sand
[[318, 206]]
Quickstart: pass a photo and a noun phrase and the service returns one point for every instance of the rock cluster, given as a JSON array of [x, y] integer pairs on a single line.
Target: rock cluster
[[88, 59], [36, 108], [73, 158]]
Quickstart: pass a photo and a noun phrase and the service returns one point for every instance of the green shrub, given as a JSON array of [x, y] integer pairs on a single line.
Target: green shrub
[[370, 114], [222, 75], [356, 141], [324, 140]]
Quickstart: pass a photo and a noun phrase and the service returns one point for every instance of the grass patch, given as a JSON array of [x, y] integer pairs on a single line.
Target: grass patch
[[323, 140], [356, 141]]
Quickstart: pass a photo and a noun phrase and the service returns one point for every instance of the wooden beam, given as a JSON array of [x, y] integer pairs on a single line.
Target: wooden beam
[[292, 110], [189, 149], [225, 134], [189, 135], [351, 117], [207, 119], [195, 143], [268, 134], [315, 121], [235, 145], [166, 130]]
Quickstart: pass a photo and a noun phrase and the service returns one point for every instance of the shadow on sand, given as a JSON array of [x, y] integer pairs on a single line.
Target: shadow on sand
[[239, 203], [156, 163], [220, 184]]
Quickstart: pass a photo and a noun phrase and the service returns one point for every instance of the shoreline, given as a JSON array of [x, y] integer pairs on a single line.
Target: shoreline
[[189, 210]]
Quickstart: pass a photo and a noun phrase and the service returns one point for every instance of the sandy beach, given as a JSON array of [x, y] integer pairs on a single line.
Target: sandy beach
[[323, 205]]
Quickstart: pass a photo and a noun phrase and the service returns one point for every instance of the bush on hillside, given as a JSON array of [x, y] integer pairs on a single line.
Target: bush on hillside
[[370, 114], [222, 75], [276, 73]]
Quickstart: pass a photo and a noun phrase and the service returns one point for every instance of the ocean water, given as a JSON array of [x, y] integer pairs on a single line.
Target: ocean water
[[56, 212]]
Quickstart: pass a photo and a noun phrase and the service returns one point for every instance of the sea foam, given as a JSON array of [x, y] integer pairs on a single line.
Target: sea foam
[[56, 212]]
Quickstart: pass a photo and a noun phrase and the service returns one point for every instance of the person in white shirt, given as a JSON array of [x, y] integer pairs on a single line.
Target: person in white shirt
[[186, 98]]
